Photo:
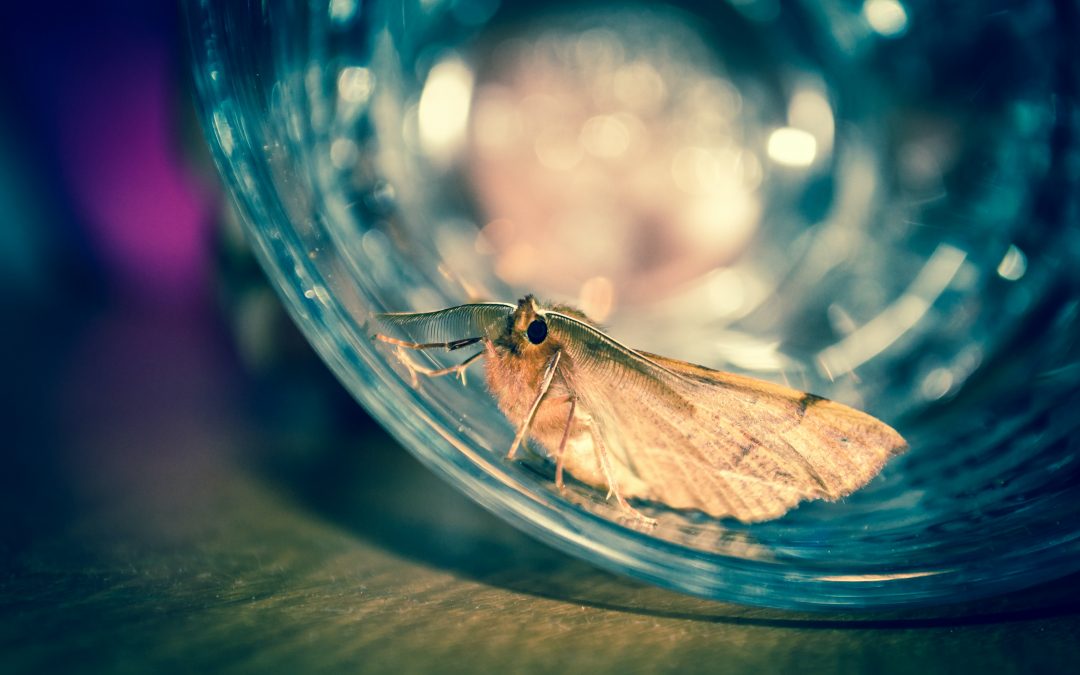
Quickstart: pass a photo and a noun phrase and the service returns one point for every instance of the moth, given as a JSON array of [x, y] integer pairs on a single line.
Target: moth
[[649, 428]]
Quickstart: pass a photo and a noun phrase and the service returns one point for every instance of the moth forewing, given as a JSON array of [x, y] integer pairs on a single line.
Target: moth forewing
[[729, 445], [848, 447], [447, 325], [656, 429]]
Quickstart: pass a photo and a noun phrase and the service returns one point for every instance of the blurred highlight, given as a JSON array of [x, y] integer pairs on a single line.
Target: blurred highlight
[[444, 109], [886, 17], [587, 139]]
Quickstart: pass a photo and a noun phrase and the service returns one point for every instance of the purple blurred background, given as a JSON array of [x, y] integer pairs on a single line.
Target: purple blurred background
[[112, 344], [97, 153]]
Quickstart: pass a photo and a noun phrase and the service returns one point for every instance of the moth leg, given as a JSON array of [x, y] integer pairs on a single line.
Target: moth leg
[[409, 366], [414, 368], [560, 456], [449, 346], [545, 384], [609, 476]]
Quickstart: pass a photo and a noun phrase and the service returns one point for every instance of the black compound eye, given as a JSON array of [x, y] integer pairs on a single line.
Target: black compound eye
[[537, 331]]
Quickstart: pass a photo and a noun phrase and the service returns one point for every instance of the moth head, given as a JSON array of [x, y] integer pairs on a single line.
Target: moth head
[[527, 331]]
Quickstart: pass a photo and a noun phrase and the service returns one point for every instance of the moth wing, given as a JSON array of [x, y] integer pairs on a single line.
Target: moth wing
[[483, 319], [724, 444]]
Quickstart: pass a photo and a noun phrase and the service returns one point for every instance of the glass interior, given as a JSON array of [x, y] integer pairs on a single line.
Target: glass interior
[[872, 201]]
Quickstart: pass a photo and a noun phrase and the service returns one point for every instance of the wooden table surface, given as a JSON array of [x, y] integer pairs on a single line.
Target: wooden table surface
[[162, 513]]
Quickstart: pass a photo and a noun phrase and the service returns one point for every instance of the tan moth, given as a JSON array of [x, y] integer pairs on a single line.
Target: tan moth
[[650, 428]]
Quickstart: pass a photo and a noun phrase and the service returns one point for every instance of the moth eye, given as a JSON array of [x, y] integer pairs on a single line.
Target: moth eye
[[537, 332]]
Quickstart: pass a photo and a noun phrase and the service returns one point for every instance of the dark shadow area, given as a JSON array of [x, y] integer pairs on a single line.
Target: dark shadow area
[[315, 445], [36, 496], [365, 483]]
